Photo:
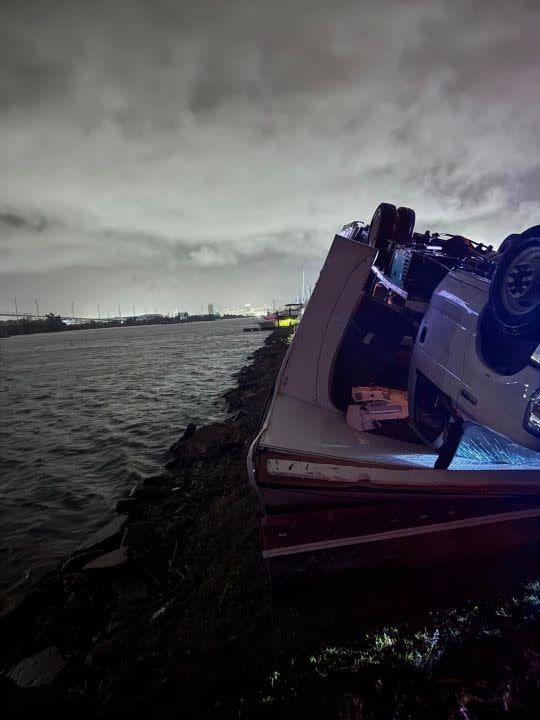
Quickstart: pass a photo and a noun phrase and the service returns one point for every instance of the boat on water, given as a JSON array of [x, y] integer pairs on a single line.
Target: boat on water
[[288, 316], [404, 424], [268, 321]]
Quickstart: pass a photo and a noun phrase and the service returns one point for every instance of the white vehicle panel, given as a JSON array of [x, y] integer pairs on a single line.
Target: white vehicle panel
[[497, 401], [449, 355]]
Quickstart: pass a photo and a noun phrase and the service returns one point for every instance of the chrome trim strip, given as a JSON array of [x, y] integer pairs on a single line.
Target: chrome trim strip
[[422, 477]]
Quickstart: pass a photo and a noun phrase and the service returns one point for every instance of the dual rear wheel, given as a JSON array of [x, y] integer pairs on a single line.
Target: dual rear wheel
[[390, 224]]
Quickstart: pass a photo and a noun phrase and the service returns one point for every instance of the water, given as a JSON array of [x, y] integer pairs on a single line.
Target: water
[[85, 414]]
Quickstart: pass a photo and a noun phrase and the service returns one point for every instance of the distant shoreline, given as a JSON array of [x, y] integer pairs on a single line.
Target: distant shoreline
[[54, 323]]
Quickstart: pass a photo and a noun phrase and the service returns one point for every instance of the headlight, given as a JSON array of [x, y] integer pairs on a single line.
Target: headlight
[[535, 357], [532, 416]]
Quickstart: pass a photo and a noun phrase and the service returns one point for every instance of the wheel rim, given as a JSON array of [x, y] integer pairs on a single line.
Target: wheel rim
[[521, 283]]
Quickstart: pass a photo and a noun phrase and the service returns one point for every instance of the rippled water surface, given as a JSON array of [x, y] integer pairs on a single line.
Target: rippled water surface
[[87, 413]]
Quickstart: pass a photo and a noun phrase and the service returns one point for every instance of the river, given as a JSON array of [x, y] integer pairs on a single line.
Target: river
[[86, 414]]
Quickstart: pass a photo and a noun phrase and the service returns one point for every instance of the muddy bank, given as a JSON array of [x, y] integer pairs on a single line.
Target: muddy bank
[[168, 610]]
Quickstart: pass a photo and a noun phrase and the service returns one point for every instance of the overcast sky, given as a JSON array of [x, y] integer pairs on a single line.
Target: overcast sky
[[175, 152]]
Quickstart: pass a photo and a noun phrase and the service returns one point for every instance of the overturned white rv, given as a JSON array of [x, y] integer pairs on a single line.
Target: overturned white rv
[[408, 318]]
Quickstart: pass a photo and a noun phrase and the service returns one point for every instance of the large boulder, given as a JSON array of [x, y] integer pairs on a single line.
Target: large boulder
[[130, 592], [208, 442], [105, 538], [140, 535], [151, 493], [40, 669], [188, 432], [110, 561], [74, 563], [128, 505]]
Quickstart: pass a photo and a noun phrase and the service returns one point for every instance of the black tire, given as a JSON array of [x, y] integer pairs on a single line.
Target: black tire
[[494, 347], [507, 242], [514, 295], [533, 231], [404, 229], [381, 228]]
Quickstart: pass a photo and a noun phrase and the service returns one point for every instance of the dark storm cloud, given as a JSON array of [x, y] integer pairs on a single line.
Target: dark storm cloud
[[189, 148], [12, 221]]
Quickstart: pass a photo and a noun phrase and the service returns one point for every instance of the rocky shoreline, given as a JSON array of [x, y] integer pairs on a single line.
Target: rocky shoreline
[[168, 609]]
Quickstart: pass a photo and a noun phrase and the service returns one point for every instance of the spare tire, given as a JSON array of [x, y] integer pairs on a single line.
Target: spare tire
[[514, 295], [381, 229], [404, 229]]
